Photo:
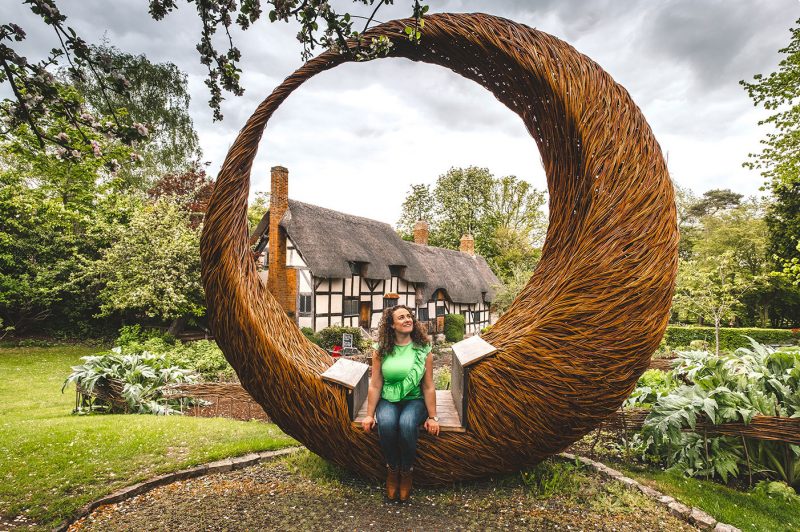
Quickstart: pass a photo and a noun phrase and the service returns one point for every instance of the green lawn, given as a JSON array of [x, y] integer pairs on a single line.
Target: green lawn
[[54, 462], [748, 511]]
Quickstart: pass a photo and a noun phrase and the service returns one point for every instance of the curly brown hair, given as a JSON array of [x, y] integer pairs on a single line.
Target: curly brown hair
[[419, 335]]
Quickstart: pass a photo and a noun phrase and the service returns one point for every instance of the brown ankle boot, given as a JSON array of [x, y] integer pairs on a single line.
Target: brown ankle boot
[[392, 482], [406, 478]]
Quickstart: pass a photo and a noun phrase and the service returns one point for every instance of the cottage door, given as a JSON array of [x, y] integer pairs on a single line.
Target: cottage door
[[365, 314]]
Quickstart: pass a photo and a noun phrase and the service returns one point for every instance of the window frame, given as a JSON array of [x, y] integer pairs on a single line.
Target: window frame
[[310, 298], [347, 300]]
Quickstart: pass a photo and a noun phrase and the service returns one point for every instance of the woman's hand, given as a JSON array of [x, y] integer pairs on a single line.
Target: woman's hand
[[432, 426], [369, 423]]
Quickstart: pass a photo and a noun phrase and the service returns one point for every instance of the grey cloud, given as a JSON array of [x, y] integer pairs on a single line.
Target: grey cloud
[[720, 42]]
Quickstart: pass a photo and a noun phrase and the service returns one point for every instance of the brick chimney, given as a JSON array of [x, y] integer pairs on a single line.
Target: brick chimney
[[467, 245], [277, 279], [421, 231]]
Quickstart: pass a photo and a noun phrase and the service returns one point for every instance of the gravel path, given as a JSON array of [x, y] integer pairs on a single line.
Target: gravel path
[[303, 493]]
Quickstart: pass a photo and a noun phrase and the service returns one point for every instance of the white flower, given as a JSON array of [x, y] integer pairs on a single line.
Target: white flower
[[141, 128]]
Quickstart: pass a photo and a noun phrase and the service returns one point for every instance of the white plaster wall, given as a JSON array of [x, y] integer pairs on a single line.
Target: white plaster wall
[[336, 304]]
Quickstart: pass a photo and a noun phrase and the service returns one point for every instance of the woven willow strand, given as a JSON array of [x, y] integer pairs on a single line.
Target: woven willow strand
[[578, 336]]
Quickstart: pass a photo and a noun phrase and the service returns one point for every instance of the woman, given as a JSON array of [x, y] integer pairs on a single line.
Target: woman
[[401, 395]]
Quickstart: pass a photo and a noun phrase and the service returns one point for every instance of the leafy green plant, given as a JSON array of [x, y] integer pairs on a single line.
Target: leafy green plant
[[136, 379], [203, 357], [653, 384], [698, 345], [454, 327], [777, 490], [441, 378], [134, 334], [332, 336], [728, 388], [309, 333]]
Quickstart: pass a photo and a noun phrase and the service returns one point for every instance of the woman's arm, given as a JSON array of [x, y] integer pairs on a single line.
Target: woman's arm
[[429, 393], [374, 392]]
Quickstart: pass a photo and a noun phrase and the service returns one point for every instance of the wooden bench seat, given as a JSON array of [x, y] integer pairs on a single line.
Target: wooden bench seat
[[450, 404], [445, 409]]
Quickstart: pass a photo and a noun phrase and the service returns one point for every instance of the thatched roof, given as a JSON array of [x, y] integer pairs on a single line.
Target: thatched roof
[[330, 240], [464, 277]]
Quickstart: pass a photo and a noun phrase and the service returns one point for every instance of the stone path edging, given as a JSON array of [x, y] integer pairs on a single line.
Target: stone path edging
[[693, 516], [220, 466]]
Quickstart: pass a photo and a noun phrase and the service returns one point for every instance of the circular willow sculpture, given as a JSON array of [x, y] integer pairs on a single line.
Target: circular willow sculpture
[[574, 342]]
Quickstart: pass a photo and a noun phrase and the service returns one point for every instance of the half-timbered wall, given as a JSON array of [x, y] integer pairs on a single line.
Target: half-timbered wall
[[327, 298]]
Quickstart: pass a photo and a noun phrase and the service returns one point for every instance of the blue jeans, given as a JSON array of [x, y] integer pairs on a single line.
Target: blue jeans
[[398, 430]]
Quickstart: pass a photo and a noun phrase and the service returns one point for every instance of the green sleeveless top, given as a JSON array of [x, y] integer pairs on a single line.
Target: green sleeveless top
[[402, 370]]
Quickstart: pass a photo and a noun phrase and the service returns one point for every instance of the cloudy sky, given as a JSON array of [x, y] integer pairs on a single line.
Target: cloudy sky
[[355, 138]]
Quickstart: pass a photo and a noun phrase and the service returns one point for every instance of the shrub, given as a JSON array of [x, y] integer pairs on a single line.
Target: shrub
[[454, 327], [203, 357], [777, 490], [130, 334], [698, 345], [332, 336], [730, 338], [653, 384], [309, 333]]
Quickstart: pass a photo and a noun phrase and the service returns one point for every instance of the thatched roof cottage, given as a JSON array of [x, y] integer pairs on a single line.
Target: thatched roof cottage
[[333, 268]]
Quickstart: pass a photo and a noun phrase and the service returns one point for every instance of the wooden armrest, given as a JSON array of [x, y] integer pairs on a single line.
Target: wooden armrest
[[472, 350], [347, 373], [354, 377]]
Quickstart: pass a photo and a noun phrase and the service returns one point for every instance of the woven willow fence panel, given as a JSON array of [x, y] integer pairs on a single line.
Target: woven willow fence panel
[[574, 342]]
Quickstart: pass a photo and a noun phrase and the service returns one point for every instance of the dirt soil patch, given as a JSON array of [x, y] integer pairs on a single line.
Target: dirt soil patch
[[301, 493]]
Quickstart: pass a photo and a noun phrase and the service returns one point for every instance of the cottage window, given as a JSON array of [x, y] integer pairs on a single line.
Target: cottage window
[[395, 270], [422, 314], [389, 302], [350, 307], [355, 268], [305, 305], [476, 317], [439, 311]]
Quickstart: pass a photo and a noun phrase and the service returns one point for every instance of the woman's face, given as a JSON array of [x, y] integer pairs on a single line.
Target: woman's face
[[402, 321]]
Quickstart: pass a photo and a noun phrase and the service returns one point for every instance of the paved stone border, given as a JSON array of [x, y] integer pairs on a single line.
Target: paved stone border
[[220, 466], [693, 516]]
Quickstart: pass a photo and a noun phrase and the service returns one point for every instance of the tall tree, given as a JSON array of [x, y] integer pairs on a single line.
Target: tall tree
[[153, 267], [156, 95], [687, 220], [714, 201], [191, 189], [503, 215], [418, 205], [710, 289], [779, 160], [516, 205], [463, 198]]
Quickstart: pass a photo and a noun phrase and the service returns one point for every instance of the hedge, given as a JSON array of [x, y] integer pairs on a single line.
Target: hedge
[[329, 337], [454, 327], [730, 338]]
